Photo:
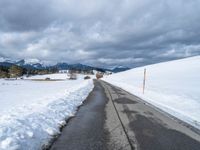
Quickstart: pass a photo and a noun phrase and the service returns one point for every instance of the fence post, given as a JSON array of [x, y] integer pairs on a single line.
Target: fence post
[[144, 80]]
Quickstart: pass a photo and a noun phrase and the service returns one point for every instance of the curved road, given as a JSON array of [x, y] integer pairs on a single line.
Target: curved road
[[113, 119]]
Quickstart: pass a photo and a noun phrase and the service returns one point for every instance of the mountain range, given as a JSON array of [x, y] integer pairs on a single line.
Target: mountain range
[[37, 64]]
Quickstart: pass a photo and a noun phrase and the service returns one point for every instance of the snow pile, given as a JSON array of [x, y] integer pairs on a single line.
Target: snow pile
[[32, 112], [171, 86]]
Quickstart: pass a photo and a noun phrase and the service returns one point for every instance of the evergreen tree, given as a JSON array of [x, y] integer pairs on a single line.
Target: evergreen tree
[[4, 72], [15, 71]]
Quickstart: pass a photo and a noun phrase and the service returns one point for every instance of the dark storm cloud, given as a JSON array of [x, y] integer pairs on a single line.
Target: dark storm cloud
[[25, 15], [100, 32]]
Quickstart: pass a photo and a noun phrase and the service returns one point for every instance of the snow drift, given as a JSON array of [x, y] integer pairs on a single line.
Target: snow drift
[[171, 86]]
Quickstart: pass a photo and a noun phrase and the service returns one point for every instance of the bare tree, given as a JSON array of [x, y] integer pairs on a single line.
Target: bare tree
[[72, 75]]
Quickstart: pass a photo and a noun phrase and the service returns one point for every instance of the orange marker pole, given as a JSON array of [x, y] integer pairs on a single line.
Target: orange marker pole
[[144, 80]]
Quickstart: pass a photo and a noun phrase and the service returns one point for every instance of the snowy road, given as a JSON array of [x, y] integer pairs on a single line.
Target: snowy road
[[111, 119]]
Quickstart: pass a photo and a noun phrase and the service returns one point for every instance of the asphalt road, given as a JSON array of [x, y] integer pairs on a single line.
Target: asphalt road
[[113, 119]]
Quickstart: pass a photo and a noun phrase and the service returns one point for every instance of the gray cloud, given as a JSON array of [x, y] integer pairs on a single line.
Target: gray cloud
[[100, 32]]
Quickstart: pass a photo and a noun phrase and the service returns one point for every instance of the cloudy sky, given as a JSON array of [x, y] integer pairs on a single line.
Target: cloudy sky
[[100, 32]]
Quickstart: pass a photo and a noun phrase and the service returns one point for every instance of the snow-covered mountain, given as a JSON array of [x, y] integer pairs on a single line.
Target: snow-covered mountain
[[172, 86], [2, 59], [66, 66], [8, 60], [33, 63], [26, 63], [38, 64]]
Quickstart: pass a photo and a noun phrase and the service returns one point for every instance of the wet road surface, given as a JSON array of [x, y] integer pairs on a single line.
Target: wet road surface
[[86, 130], [113, 119]]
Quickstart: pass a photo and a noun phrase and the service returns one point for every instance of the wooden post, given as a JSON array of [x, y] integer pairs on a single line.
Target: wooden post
[[144, 81]]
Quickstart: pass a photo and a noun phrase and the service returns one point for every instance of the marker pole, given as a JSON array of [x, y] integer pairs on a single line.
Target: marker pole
[[144, 81]]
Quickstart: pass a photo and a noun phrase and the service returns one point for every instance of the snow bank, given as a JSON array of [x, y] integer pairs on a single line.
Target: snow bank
[[172, 86], [32, 112]]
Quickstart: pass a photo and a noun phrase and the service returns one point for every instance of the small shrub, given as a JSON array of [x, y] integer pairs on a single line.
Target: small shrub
[[47, 79], [15, 71], [3, 74], [87, 77], [72, 76], [99, 75]]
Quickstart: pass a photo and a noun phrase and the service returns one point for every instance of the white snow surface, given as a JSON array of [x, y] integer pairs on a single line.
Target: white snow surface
[[173, 87], [31, 112], [58, 76]]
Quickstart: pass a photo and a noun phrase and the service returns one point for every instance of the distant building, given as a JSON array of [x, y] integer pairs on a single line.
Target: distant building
[[63, 71], [99, 75]]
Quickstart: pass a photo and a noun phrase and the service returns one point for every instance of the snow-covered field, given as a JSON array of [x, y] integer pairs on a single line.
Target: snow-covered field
[[58, 76], [172, 86], [31, 112]]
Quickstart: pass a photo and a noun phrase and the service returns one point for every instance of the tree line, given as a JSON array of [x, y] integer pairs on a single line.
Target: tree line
[[16, 71]]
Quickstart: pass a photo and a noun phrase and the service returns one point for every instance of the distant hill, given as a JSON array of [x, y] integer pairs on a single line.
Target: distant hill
[[120, 69], [66, 66]]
